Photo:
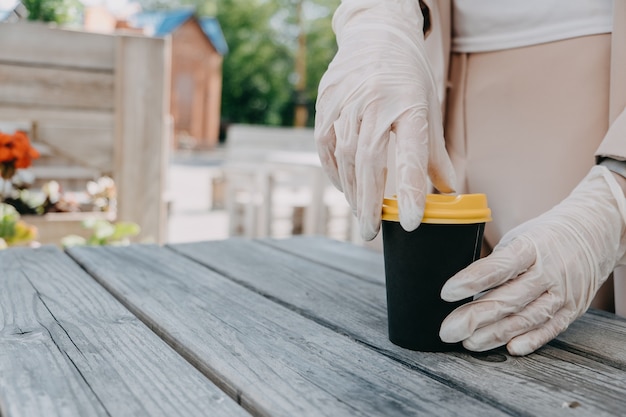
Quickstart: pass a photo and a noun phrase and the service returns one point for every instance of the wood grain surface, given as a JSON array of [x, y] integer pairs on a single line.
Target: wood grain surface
[[539, 384], [285, 328], [272, 359], [22, 43], [68, 348]]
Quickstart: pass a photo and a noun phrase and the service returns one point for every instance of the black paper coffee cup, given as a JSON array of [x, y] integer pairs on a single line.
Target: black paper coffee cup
[[418, 263]]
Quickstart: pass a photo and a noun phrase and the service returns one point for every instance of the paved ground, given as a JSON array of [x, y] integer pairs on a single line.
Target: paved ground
[[189, 190]]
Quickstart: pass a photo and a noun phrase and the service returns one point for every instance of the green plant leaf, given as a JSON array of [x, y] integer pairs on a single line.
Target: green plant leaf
[[8, 220], [124, 230]]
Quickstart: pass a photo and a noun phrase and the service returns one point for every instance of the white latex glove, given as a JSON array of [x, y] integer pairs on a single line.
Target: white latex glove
[[380, 81], [543, 274]]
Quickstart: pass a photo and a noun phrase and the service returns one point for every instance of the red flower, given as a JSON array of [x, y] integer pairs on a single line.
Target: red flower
[[6, 144], [15, 152]]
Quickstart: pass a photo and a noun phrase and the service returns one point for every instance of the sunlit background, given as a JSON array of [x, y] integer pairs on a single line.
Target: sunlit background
[[240, 83]]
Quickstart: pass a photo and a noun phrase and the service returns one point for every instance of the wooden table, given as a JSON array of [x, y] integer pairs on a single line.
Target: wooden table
[[240, 327]]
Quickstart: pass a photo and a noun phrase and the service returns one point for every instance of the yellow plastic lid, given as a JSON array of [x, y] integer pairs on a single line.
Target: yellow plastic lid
[[446, 209]]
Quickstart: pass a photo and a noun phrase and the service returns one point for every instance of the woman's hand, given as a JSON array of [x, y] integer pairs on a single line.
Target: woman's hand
[[543, 274], [380, 81]]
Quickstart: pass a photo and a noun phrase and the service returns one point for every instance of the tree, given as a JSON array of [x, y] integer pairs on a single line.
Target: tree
[[256, 70], [259, 74], [57, 11], [320, 47]]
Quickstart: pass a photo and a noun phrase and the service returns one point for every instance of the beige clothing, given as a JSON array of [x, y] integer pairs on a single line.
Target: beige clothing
[[522, 128], [438, 45], [528, 155], [523, 125]]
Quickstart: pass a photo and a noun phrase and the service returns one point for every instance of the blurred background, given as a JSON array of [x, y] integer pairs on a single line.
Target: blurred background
[[164, 120]]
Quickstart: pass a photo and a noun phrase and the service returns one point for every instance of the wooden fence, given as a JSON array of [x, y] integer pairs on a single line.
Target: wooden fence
[[97, 105]]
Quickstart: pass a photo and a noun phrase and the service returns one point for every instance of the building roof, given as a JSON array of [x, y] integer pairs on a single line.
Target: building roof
[[164, 22]]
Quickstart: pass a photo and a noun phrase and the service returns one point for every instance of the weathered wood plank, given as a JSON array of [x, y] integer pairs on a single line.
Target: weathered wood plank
[[68, 348], [537, 385], [82, 118], [54, 87], [36, 378], [80, 135], [273, 360], [22, 43], [15, 125], [91, 145], [352, 259], [597, 334], [64, 172], [140, 150], [98, 104]]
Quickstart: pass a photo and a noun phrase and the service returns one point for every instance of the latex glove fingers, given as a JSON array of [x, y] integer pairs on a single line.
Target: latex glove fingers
[[417, 157], [520, 306], [347, 129], [381, 58], [498, 333], [326, 143], [360, 165], [371, 174], [420, 155], [507, 261], [380, 80], [576, 245], [359, 168], [532, 340], [494, 306]]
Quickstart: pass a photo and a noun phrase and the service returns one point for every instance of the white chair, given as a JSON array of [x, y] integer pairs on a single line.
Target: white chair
[[271, 171]]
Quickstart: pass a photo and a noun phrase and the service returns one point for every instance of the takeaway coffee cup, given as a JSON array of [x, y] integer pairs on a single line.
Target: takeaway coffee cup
[[418, 263]]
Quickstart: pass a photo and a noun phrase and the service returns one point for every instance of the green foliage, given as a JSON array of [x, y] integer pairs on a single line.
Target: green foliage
[[103, 233], [256, 70], [322, 47], [259, 70], [14, 231], [57, 11], [8, 219]]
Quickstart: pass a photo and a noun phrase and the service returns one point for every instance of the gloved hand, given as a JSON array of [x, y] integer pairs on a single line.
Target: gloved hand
[[543, 274], [380, 81]]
